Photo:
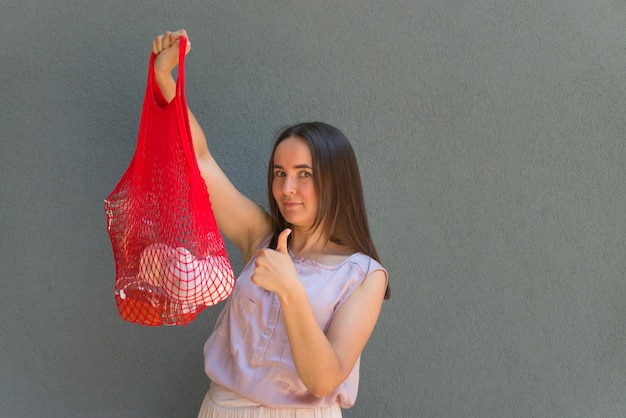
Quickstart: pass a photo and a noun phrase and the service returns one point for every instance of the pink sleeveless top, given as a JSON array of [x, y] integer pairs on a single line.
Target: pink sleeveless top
[[248, 351]]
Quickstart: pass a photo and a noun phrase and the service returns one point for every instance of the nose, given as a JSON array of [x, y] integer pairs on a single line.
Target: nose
[[289, 185]]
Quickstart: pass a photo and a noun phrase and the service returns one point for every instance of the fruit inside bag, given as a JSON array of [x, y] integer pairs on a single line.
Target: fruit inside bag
[[184, 277], [172, 286]]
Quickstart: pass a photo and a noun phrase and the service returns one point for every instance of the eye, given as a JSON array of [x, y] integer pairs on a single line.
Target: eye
[[305, 174], [278, 173]]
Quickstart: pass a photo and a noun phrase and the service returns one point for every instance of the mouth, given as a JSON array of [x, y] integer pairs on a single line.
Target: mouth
[[289, 205]]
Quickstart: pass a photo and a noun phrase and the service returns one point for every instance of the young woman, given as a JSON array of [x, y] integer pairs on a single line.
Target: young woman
[[289, 339]]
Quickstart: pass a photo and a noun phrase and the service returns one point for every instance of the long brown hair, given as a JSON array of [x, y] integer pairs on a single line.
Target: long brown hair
[[338, 186]]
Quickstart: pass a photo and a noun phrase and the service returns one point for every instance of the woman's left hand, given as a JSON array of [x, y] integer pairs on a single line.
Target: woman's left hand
[[273, 269]]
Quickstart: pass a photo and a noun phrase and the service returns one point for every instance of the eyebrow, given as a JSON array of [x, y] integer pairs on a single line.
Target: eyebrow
[[296, 166]]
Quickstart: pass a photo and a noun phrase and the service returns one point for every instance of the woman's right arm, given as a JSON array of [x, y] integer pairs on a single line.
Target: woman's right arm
[[241, 220]]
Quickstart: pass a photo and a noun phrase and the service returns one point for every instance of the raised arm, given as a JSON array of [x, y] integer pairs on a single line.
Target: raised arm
[[241, 220]]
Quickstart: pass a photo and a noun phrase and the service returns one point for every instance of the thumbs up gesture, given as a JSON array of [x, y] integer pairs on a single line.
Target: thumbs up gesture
[[273, 269]]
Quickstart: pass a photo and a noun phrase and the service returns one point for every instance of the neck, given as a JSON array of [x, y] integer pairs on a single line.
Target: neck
[[312, 244], [304, 240]]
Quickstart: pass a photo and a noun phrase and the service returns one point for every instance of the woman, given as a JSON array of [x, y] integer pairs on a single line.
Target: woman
[[289, 340]]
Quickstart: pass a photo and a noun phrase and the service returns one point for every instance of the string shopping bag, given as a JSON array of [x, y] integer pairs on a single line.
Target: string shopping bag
[[170, 258]]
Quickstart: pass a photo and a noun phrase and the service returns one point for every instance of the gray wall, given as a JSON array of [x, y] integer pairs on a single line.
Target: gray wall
[[491, 140]]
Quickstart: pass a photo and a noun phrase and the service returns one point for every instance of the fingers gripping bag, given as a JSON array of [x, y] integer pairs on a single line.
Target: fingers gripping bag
[[170, 258]]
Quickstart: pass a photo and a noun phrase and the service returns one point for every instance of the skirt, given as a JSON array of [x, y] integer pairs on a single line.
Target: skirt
[[222, 403]]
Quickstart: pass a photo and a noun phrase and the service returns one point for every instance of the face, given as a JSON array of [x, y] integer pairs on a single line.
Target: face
[[293, 185]]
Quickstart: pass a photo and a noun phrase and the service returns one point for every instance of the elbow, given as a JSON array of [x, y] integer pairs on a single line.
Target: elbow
[[322, 380], [319, 393], [325, 381], [321, 390]]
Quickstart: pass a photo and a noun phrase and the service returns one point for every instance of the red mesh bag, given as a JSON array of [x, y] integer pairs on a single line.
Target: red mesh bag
[[170, 259]]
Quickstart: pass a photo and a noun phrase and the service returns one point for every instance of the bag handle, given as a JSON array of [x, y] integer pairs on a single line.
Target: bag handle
[[180, 93], [180, 80], [178, 103]]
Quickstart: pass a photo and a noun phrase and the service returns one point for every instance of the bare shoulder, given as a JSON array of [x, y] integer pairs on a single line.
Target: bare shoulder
[[362, 307], [373, 287], [355, 320], [257, 235]]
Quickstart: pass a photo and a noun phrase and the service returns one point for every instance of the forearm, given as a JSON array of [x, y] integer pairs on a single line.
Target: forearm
[[166, 84], [315, 359]]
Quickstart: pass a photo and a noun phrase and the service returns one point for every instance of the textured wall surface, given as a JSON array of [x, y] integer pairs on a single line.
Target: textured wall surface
[[491, 140]]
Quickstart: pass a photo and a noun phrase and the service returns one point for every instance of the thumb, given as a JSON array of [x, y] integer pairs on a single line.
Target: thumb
[[281, 245], [187, 46]]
